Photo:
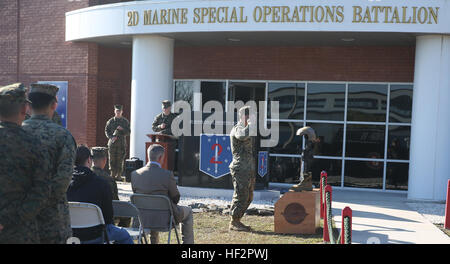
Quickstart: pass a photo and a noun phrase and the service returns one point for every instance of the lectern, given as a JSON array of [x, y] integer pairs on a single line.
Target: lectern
[[169, 143]]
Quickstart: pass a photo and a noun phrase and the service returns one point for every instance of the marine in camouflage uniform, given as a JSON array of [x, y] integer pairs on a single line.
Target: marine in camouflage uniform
[[163, 122], [99, 153], [242, 170], [24, 171], [56, 118], [54, 220], [99, 156], [117, 143]]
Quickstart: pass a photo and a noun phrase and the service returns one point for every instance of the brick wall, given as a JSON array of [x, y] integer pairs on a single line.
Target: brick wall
[[33, 48], [114, 86], [374, 64]]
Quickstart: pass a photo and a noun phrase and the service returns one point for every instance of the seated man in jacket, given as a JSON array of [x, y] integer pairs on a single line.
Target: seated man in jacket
[[153, 180], [87, 187]]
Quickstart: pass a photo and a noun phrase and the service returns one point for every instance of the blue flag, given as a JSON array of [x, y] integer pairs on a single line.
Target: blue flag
[[215, 155]]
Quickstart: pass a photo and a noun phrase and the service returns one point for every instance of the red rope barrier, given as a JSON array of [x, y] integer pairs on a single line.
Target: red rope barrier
[[326, 236], [447, 208], [346, 212], [323, 178]]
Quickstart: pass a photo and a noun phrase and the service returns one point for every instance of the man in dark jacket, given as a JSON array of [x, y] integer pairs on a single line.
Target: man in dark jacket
[[89, 188]]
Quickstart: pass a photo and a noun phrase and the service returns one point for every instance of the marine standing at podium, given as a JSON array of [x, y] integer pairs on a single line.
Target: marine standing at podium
[[163, 122], [242, 170], [116, 130]]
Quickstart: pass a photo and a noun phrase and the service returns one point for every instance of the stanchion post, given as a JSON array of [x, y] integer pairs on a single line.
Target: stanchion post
[[323, 182], [346, 212], [326, 236], [447, 208]]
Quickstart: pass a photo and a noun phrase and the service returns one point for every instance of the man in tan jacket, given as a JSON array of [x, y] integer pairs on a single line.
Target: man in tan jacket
[[152, 179]]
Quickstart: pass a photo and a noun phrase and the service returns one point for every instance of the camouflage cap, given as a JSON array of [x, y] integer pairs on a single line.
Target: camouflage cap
[[99, 152], [48, 89], [13, 93], [118, 107], [166, 104]]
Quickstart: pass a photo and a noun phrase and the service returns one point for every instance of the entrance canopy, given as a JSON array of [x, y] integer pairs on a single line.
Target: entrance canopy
[[119, 22]]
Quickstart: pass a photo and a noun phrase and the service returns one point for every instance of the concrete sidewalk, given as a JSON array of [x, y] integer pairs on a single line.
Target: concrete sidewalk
[[385, 217]]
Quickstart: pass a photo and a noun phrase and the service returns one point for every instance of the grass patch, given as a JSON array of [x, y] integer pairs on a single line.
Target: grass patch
[[212, 228]]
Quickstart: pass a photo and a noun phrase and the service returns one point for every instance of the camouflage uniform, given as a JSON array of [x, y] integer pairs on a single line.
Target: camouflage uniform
[[164, 119], [117, 150], [100, 153], [57, 118], [103, 174], [24, 171], [54, 220], [242, 169]]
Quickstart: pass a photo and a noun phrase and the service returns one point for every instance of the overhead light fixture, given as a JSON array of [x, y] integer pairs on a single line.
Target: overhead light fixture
[[348, 39], [234, 39]]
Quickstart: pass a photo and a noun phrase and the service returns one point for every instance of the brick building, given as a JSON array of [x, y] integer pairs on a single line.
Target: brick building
[[373, 67]]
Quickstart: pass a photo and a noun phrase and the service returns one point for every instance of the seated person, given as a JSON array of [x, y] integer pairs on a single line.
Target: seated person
[[153, 180], [99, 159], [87, 187]]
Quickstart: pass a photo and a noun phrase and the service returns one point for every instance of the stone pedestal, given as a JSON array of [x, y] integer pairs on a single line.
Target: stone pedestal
[[298, 213]]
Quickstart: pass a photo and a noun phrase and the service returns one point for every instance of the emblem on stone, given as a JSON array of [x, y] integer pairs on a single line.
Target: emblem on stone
[[307, 157], [294, 213]]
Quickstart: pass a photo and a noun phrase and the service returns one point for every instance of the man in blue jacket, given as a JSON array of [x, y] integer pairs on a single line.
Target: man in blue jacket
[[87, 187]]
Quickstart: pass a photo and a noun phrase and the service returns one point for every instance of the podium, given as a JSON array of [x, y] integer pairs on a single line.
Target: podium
[[169, 143]]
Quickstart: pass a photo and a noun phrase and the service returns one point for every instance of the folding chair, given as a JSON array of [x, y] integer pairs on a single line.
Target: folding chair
[[85, 215], [156, 213], [127, 209]]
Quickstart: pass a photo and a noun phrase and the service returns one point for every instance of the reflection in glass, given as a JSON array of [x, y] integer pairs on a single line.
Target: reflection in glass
[[367, 102], [330, 139], [398, 142], [400, 107], [291, 97], [289, 142], [397, 176], [184, 91], [333, 169], [284, 169], [365, 141], [325, 101], [213, 91], [247, 91], [363, 174]]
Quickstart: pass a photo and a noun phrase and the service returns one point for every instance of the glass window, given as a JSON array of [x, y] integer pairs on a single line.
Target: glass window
[[284, 169], [333, 169], [289, 142], [365, 141], [398, 142], [397, 176], [325, 101], [213, 91], [363, 174], [291, 97], [367, 102], [184, 91], [400, 107], [330, 139]]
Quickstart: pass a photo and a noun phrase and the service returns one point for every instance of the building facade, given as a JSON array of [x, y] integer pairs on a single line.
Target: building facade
[[371, 78]]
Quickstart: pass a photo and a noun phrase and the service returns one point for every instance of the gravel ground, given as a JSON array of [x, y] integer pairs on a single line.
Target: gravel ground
[[434, 212], [125, 193]]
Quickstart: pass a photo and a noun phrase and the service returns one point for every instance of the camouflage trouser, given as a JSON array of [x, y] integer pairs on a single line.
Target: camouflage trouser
[[244, 184], [20, 233], [54, 224], [116, 160]]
